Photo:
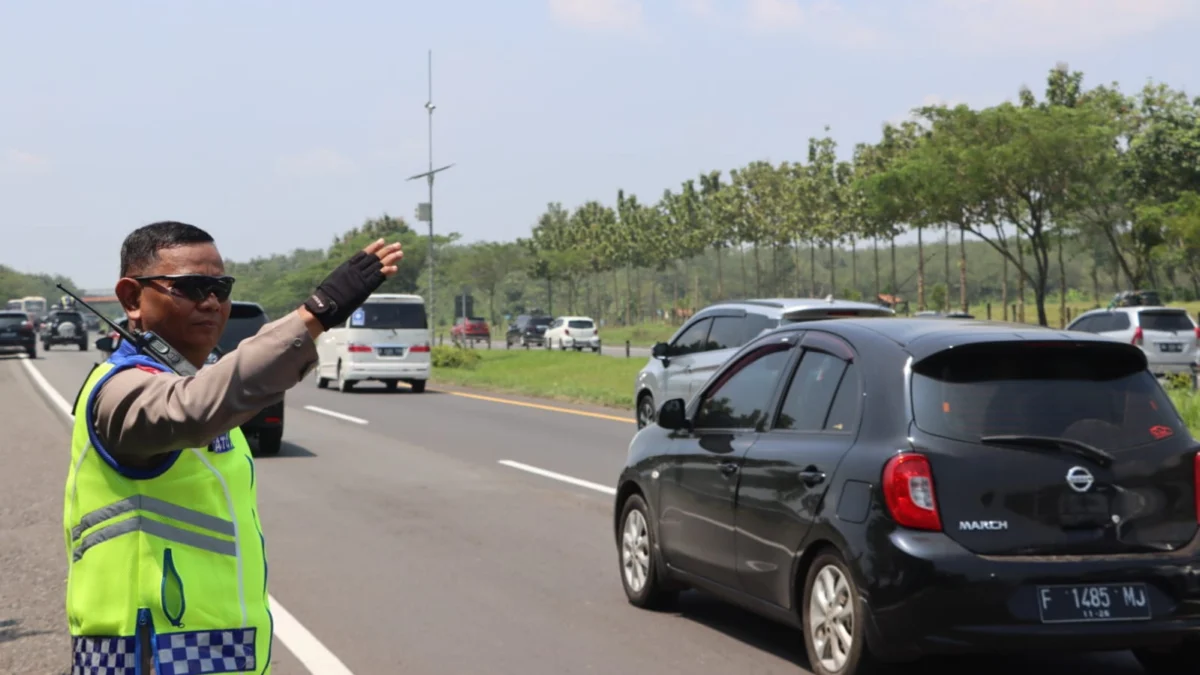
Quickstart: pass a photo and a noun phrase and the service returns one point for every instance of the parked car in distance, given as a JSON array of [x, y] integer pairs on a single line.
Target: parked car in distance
[[17, 333], [64, 326], [386, 340], [471, 330], [1143, 298], [573, 332], [527, 330], [1167, 335], [264, 431], [907, 487], [678, 367]]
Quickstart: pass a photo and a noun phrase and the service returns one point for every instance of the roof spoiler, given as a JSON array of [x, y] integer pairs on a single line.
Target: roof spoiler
[[813, 312]]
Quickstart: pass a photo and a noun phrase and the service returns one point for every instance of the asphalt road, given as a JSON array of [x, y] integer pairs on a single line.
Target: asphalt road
[[398, 539]]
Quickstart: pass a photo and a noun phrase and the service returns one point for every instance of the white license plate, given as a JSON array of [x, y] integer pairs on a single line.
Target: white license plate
[[1170, 347], [391, 351]]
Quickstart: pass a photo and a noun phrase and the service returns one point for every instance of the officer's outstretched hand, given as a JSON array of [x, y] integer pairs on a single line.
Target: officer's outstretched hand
[[349, 286]]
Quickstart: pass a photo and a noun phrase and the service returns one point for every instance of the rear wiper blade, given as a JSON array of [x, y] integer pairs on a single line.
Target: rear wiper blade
[[1080, 448]]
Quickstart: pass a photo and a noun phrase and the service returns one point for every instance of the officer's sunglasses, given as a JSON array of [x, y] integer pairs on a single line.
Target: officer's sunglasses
[[195, 287]]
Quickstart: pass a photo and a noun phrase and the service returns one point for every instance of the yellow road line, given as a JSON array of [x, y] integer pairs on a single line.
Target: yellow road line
[[538, 406]]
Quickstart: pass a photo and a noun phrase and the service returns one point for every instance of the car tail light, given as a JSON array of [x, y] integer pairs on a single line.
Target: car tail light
[[1198, 332], [419, 348], [271, 420], [29, 326], [359, 349], [1138, 336], [909, 492], [1197, 487]]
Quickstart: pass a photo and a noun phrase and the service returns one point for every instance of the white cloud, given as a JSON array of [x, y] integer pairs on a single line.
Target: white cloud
[[603, 15], [820, 20], [318, 162], [20, 161], [702, 8]]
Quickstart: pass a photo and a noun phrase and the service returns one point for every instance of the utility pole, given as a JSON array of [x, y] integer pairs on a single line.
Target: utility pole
[[425, 211]]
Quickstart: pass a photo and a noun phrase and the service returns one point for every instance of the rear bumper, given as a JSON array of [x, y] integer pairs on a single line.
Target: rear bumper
[[586, 343], [399, 370], [270, 417], [935, 597], [18, 342]]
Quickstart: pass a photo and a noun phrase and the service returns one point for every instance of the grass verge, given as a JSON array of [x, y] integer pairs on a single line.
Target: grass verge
[[564, 376], [1188, 404]]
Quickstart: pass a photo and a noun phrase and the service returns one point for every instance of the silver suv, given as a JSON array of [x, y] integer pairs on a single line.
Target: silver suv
[[1166, 334], [679, 367]]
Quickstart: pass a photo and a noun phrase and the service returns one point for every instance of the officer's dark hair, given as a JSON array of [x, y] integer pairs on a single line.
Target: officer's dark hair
[[141, 247]]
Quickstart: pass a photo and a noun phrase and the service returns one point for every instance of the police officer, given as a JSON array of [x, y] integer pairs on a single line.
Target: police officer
[[167, 563]]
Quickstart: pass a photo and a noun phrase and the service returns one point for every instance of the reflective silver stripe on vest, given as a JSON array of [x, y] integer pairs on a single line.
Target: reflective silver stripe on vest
[[157, 529], [156, 506]]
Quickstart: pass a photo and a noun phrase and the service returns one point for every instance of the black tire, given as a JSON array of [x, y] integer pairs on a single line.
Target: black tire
[[645, 410], [1177, 661], [858, 659], [343, 385], [83, 345], [45, 346], [391, 384], [269, 441], [31, 351], [632, 538], [418, 386], [322, 382]]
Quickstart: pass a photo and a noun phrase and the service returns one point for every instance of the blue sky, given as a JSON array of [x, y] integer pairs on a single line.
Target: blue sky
[[277, 125]]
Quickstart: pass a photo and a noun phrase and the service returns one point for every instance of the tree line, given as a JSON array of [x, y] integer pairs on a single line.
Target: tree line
[[1111, 177]]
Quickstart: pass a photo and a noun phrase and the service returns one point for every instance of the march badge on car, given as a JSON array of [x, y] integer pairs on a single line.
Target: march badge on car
[[221, 444]]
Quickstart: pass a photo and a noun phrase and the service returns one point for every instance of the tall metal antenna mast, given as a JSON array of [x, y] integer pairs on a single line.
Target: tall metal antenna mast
[[425, 210]]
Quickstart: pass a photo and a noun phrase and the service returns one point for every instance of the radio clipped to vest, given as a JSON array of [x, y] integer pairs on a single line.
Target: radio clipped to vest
[[148, 344]]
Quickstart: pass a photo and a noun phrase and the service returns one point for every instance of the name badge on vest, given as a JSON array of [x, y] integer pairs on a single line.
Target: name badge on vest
[[220, 444]]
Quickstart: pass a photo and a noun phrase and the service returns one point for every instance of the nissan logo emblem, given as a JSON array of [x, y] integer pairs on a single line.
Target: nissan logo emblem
[[1080, 479]]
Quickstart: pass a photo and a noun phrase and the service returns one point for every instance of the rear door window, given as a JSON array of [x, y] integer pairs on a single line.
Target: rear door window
[[1165, 321], [391, 315], [1098, 394], [580, 324], [728, 332], [811, 392]]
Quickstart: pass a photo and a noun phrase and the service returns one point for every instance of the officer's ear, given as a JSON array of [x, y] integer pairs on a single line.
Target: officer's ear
[[129, 294]]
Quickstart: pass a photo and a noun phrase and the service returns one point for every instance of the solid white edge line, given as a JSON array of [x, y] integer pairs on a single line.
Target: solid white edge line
[[559, 477], [331, 413], [305, 646]]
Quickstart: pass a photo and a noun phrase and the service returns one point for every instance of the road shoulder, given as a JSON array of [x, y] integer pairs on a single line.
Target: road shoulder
[[33, 627]]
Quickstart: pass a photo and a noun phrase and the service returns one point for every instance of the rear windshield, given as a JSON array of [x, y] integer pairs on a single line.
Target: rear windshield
[[241, 325], [69, 316], [580, 323], [541, 321], [10, 320], [1165, 321], [385, 315], [1098, 394]]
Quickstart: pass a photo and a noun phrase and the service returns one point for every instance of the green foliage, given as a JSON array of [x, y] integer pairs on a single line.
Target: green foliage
[[566, 376], [447, 356], [1187, 402], [14, 285]]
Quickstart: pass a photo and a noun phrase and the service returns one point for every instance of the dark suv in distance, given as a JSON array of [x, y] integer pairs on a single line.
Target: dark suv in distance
[[902, 487], [17, 332], [527, 330], [264, 431], [64, 327]]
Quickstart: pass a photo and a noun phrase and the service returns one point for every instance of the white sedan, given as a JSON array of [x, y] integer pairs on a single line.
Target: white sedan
[[573, 332]]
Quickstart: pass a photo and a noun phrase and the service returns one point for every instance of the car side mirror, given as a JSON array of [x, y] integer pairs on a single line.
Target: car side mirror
[[673, 415], [104, 344], [659, 350]]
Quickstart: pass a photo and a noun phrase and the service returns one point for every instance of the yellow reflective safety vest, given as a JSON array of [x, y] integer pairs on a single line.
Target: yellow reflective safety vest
[[166, 565]]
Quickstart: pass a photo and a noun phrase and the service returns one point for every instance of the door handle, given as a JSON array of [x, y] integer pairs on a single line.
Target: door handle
[[728, 468], [687, 369], [812, 476]]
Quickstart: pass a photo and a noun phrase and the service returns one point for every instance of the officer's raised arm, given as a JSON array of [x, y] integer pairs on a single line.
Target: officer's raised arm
[[178, 291]]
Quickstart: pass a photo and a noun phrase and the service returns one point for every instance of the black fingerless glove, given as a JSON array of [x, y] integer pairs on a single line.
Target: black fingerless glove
[[345, 289]]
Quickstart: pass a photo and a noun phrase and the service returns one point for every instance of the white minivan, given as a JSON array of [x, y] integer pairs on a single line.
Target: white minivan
[[386, 340]]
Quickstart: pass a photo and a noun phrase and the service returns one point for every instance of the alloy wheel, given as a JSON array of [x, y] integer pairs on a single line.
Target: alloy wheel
[[831, 618], [635, 551]]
